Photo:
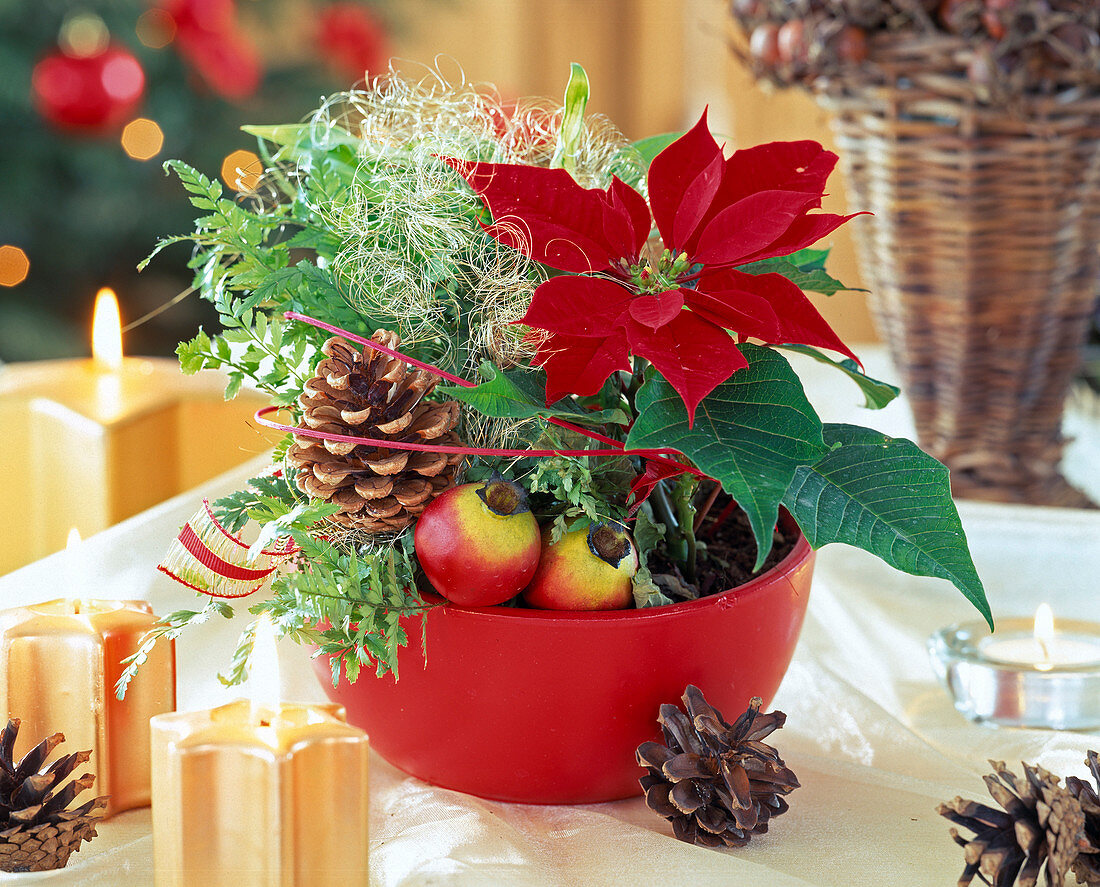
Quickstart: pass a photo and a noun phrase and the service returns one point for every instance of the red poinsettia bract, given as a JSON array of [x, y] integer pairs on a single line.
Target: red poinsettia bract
[[616, 299]]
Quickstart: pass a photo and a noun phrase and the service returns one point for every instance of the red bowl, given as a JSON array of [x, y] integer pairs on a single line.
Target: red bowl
[[548, 707]]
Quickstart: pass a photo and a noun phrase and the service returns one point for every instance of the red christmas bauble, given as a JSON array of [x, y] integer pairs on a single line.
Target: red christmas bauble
[[94, 94], [353, 40], [215, 47]]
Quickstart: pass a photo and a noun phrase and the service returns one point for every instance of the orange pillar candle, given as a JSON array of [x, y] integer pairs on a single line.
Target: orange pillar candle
[[89, 443], [260, 794], [59, 662]]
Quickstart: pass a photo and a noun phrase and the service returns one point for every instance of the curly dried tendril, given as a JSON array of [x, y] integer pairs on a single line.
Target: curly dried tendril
[[413, 253]]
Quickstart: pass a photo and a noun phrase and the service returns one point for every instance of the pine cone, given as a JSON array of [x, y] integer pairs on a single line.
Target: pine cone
[[370, 394], [37, 832], [1086, 867], [718, 784], [1042, 823]]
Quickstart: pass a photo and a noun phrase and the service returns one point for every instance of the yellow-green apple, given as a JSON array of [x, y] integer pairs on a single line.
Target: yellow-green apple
[[587, 569], [478, 543]]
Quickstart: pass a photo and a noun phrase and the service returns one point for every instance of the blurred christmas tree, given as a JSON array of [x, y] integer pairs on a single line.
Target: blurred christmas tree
[[95, 94]]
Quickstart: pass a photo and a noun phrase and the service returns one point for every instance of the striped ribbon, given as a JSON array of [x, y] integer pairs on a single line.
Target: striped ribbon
[[211, 560]]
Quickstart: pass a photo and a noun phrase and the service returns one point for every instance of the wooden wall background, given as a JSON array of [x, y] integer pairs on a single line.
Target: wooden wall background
[[653, 65]]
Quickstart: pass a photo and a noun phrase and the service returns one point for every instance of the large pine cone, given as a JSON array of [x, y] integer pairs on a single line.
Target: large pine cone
[[37, 832], [1087, 865], [718, 784], [370, 394], [1042, 823]]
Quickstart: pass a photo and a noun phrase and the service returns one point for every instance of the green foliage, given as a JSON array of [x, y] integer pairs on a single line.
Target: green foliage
[[876, 394], [168, 628], [521, 394], [345, 594], [651, 146], [886, 496], [805, 268], [348, 601], [648, 536], [572, 125], [266, 494], [243, 264], [580, 489], [751, 434]]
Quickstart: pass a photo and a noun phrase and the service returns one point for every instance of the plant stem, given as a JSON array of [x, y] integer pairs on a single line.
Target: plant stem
[[636, 379], [708, 503], [685, 513], [664, 513]]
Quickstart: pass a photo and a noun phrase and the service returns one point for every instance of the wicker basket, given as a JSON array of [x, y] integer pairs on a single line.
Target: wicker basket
[[981, 256]]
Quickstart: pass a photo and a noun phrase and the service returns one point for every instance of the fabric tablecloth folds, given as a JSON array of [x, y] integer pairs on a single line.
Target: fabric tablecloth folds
[[872, 736]]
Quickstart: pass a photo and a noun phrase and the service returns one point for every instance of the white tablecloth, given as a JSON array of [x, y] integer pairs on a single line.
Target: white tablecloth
[[873, 738]]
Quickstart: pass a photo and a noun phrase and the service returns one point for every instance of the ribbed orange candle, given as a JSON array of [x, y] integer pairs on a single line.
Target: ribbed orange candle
[[59, 662]]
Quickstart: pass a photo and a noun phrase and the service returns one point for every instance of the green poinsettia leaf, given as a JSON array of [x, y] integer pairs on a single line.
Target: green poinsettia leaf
[[876, 394], [751, 434], [886, 496], [633, 161], [806, 275], [651, 146], [809, 258], [521, 394]]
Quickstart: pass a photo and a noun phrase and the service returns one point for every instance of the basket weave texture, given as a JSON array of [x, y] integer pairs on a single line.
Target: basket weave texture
[[981, 256]]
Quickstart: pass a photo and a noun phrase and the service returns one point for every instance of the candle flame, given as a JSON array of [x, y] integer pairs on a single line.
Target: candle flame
[[73, 539], [263, 672], [107, 330], [1044, 634]]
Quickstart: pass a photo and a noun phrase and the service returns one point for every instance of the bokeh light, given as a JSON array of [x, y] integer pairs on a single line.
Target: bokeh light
[[241, 170], [155, 28], [123, 78], [14, 265], [142, 138], [83, 35]]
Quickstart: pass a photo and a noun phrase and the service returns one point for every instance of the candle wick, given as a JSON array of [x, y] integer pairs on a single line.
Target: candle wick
[[264, 722], [1044, 648]]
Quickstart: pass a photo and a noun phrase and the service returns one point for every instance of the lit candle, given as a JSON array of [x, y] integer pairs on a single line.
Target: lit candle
[[1044, 648], [59, 662], [91, 442], [259, 792]]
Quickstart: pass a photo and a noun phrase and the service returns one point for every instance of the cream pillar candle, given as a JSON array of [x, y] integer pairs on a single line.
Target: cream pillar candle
[[88, 443], [59, 662], [257, 794]]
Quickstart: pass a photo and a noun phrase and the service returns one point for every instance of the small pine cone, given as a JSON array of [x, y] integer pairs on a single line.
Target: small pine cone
[[1086, 868], [717, 784], [370, 394], [1042, 823], [37, 832]]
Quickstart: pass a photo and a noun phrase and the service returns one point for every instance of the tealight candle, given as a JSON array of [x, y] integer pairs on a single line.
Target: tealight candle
[[259, 792], [91, 442], [59, 662], [1027, 674], [1043, 648]]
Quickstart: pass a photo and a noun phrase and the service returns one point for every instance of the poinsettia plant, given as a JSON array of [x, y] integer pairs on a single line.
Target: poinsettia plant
[[613, 317]]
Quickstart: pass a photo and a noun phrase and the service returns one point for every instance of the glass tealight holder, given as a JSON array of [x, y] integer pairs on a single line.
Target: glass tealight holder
[[995, 679]]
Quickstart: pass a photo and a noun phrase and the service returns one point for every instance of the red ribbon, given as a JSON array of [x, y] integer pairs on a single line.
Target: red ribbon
[[619, 449], [190, 540]]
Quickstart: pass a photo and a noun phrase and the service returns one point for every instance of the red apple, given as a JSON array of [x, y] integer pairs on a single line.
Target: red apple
[[587, 569], [478, 543]]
